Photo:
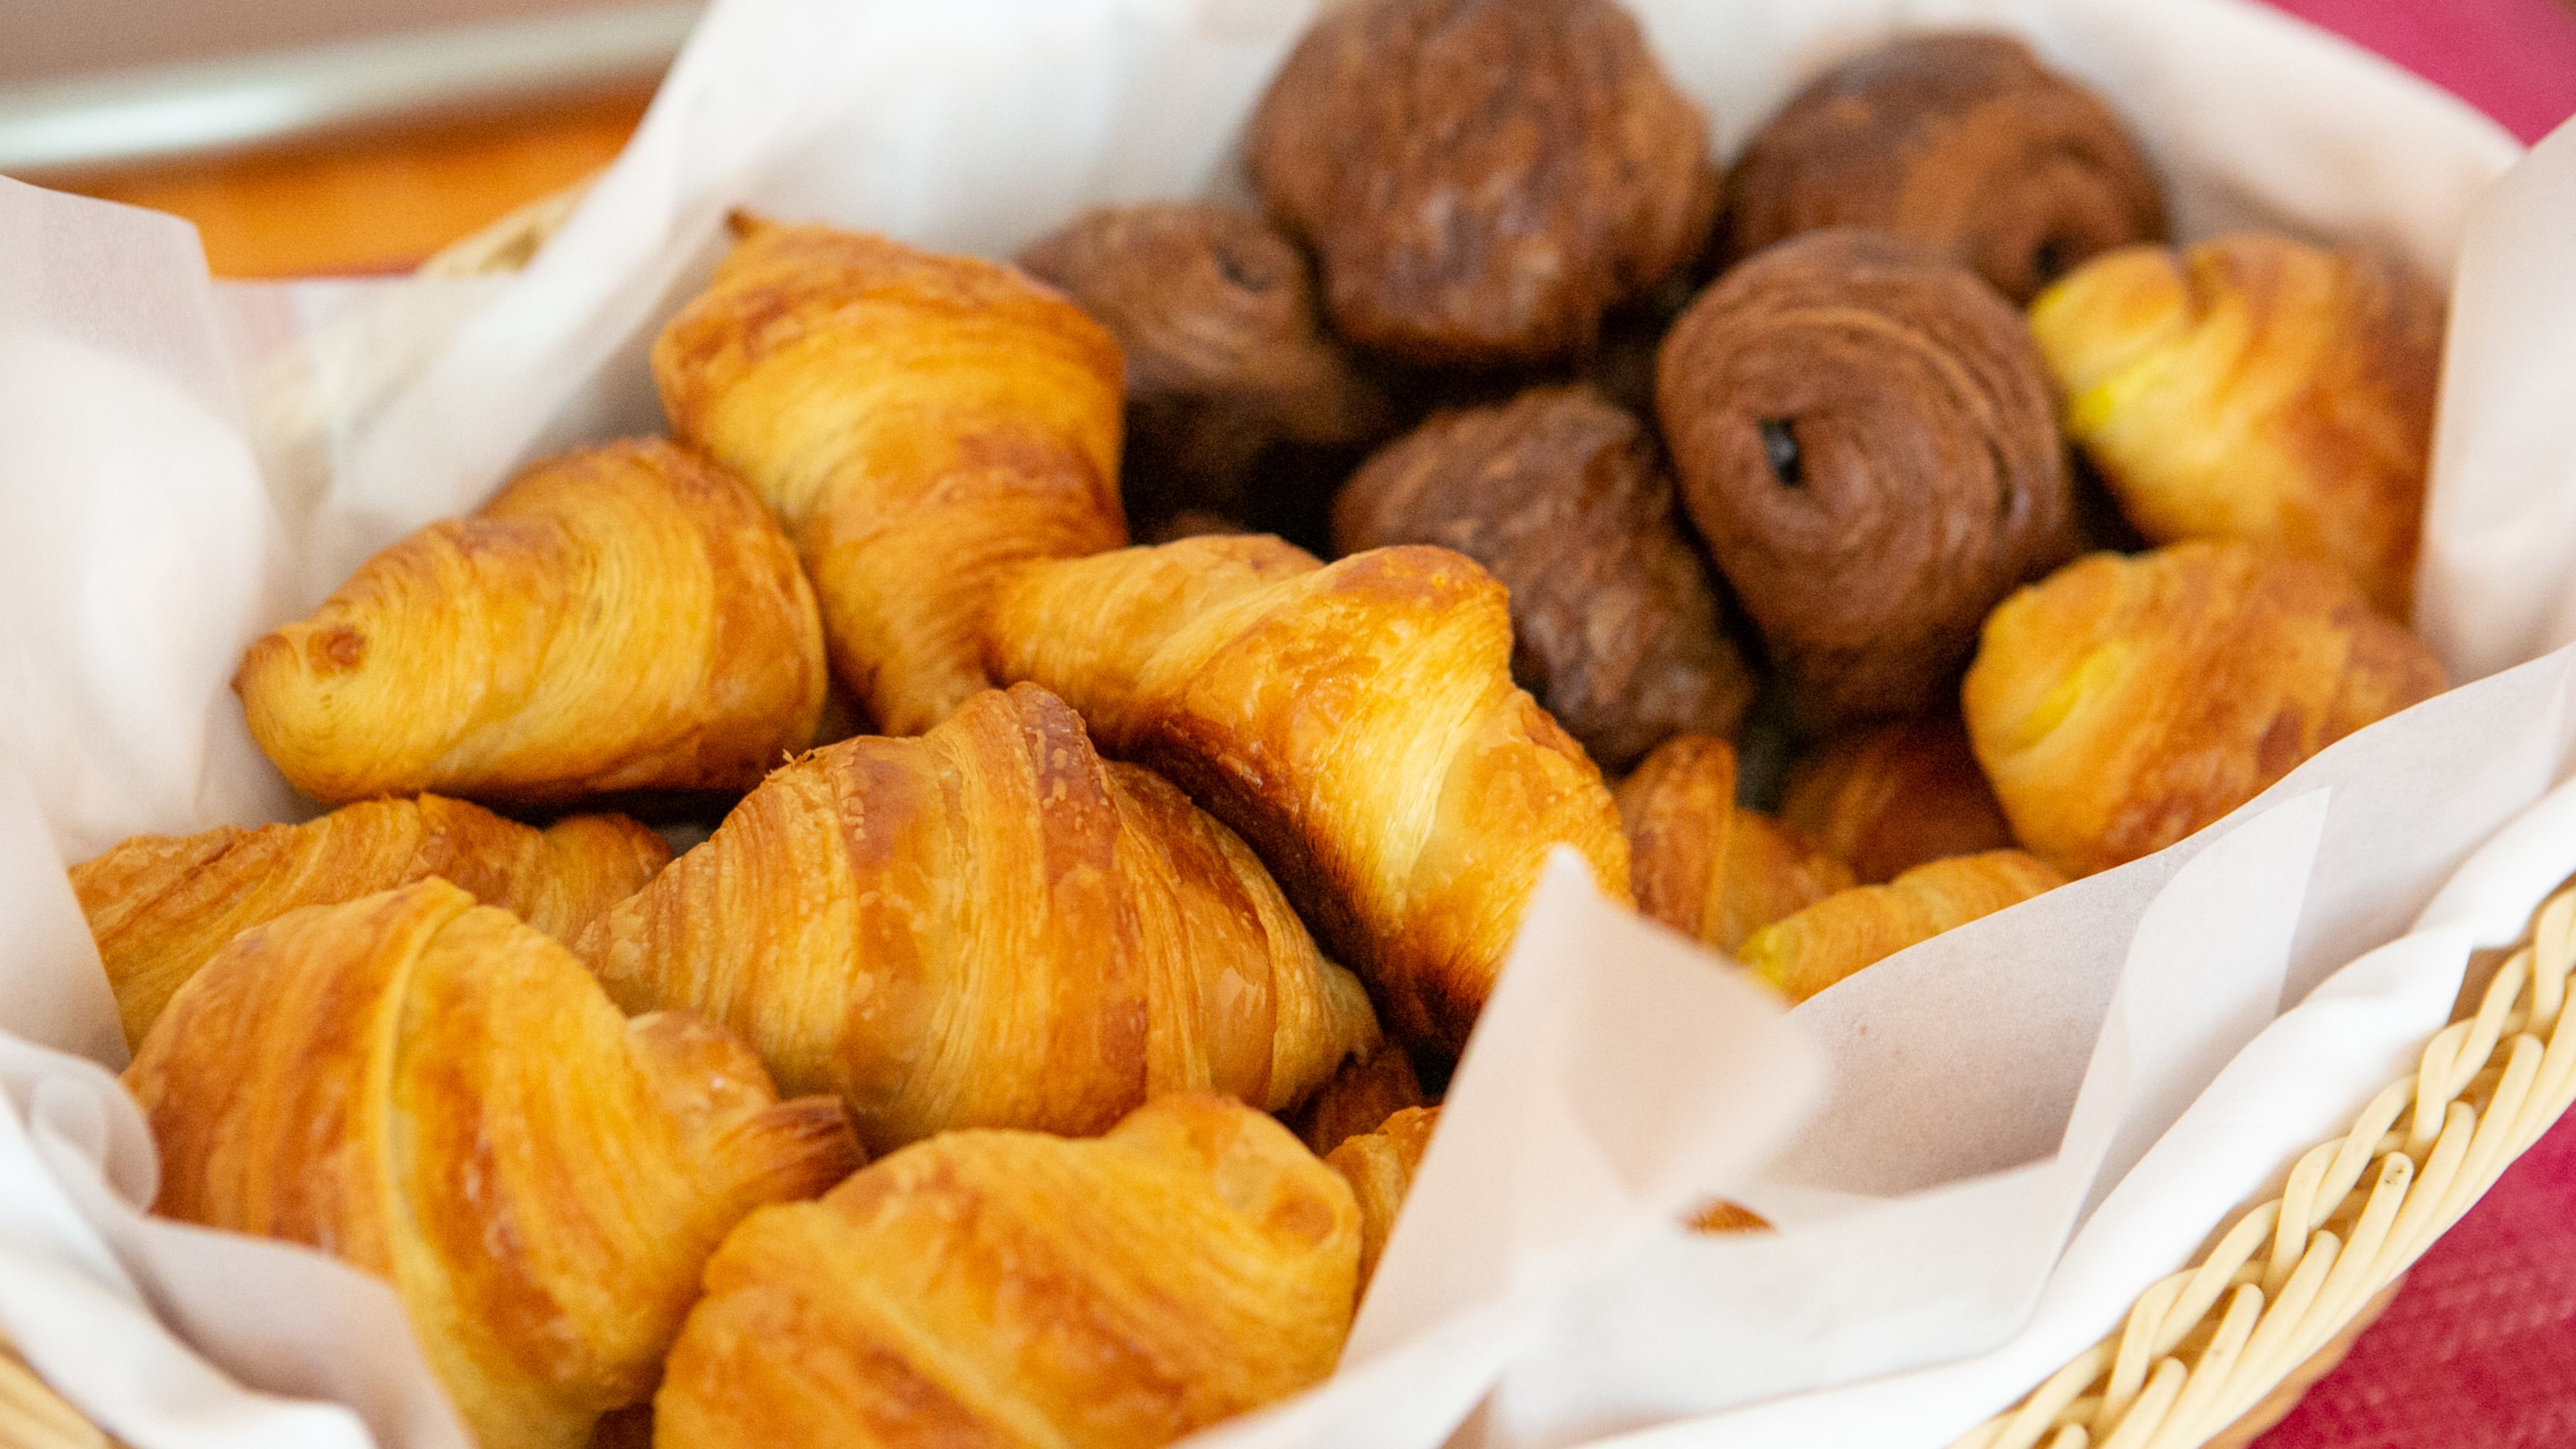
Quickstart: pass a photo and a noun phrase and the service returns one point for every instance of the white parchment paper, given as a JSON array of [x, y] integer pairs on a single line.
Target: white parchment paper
[[2021, 1123]]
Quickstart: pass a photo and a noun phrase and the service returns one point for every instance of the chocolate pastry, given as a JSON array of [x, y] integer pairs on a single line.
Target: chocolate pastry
[[1960, 140], [1482, 179], [1239, 404], [1865, 438], [1564, 498]]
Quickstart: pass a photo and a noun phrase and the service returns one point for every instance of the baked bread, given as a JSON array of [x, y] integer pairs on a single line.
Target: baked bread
[[434, 1093], [992, 1287], [1852, 929], [1564, 499], [1959, 140], [620, 618], [1481, 180], [987, 926], [1358, 724], [1865, 437], [160, 905], [1379, 1166], [1702, 864], [2126, 702], [2260, 388], [921, 423], [1369, 1088], [1894, 796]]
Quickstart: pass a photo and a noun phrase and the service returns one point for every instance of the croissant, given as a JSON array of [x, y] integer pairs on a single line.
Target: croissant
[[2259, 388], [160, 905], [1357, 722], [1895, 796], [1705, 866], [921, 423], [996, 1287], [1563, 497], [620, 618], [1961, 141], [1367, 1090], [437, 1094], [1482, 179], [1865, 437], [1864, 925], [2126, 702], [987, 926], [1380, 1166], [1239, 403]]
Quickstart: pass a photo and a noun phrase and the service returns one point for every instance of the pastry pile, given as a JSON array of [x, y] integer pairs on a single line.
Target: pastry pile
[[1831, 549]]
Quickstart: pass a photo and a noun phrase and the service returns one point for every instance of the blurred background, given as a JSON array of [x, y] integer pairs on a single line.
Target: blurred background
[[353, 136]]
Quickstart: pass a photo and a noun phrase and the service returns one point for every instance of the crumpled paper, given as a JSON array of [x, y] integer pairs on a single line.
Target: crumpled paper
[[2023, 1122]]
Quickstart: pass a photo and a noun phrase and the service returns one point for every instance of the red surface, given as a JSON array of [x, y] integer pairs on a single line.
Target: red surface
[[2479, 1349]]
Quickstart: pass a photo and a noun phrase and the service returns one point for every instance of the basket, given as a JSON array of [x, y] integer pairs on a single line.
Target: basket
[[2210, 1357]]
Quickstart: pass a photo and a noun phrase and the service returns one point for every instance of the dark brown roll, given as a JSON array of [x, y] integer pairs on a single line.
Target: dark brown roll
[[1563, 497], [1959, 140], [1482, 179], [1233, 385], [1865, 438]]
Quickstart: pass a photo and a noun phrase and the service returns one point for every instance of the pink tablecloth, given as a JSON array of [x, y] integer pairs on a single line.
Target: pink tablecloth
[[2479, 1349]]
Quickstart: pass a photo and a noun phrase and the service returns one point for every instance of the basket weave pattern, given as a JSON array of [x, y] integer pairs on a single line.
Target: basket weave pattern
[[2208, 1344]]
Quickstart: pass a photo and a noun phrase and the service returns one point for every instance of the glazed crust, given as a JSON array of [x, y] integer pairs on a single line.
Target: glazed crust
[[921, 423], [987, 926], [1010, 1288], [1895, 796], [1380, 1166], [1482, 179], [620, 618], [1865, 438], [1357, 722], [1854, 929], [2126, 702], [2259, 388], [1564, 499], [1961, 141], [160, 905], [1705, 866], [1231, 377], [438, 1095]]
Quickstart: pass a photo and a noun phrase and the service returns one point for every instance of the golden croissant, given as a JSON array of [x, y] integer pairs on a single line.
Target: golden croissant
[[620, 618], [433, 1092], [987, 926], [1357, 722], [2123, 703], [1894, 796], [2259, 388], [1368, 1089], [1706, 866], [1864, 925], [1379, 1166], [1010, 1288], [160, 905], [922, 423]]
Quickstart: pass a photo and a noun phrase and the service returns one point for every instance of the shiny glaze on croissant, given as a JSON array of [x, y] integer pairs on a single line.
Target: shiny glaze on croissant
[[1894, 796], [1357, 722], [1367, 1090], [1859, 927], [1962, 141], [621, 618], [2259, 388], [1864, 436], [433, 1092], [920, 422], [994, 1287], [160, 905], [2126, 702], [1704, 865], [987, 926], [1563, 497], [1380, 1166]]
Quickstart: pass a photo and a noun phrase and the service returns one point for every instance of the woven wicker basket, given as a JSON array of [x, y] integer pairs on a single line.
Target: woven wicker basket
[[2211, 1356]]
